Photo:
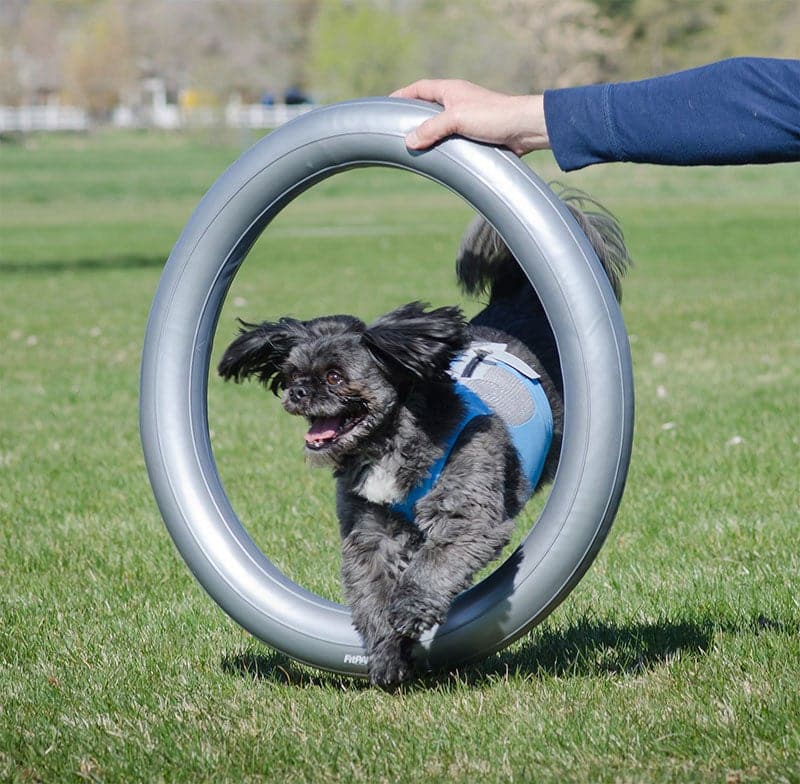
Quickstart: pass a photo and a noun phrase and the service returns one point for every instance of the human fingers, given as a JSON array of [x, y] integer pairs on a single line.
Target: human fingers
[[437, 127], [431, 131], [424, 89]]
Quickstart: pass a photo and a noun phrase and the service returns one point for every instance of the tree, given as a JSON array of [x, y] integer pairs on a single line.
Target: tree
[[518, 45], [96, 49], [769, 28], [100, 60], [668, 35], [32, 40], [359, 48], [220, 47]]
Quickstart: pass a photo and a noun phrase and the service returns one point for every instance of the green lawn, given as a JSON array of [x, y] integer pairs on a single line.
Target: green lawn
[[676, 659]]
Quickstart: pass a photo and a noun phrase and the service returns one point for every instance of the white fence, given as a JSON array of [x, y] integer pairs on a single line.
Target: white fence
[[260, 116], [43, 118], [169, 116]]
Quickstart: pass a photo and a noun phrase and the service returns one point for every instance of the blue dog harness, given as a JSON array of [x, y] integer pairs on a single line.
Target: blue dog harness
[[491, 380]]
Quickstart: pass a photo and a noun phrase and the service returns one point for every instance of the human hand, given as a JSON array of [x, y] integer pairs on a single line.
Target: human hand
[[514, 121]]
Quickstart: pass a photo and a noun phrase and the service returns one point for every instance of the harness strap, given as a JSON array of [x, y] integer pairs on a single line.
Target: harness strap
[[474, 407], [531, 438]]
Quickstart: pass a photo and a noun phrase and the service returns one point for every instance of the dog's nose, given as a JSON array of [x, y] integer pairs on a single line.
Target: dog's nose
[[298, 393]]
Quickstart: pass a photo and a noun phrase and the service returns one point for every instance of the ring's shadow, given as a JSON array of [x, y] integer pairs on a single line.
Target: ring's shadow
[[587, 648]]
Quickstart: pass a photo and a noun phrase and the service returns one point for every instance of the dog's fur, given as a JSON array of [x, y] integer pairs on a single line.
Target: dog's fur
[[380, 404]]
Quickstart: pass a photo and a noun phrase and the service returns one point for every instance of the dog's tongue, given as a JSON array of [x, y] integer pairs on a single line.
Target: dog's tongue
[[323, 429]]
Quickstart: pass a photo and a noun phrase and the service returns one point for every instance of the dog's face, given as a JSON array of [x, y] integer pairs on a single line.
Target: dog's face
[[346, 378], [336, 384]]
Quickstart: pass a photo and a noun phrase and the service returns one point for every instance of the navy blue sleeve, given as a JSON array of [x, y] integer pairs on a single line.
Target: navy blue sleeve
[[742, 110]]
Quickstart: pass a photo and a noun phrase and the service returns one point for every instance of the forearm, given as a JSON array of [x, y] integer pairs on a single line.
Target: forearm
[[745, 110]]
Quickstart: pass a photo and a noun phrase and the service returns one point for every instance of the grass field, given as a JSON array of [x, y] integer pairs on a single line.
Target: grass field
[[676, 659]]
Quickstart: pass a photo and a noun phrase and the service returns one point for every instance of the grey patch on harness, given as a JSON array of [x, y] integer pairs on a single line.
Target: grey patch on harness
[[505, 394]]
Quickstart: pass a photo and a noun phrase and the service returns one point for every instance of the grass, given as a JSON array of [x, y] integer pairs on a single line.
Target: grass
[[677, 658]]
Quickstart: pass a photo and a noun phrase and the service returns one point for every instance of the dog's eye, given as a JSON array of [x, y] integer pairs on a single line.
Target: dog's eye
[[334, 377]]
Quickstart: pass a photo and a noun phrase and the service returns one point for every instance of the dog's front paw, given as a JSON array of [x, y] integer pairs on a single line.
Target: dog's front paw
[[413, 610], [390, 662]]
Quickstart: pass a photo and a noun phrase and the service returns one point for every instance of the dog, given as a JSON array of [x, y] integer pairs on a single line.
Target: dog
[[429, 469]]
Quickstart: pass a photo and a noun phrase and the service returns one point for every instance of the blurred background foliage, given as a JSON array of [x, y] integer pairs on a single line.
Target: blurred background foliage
[[90, 52]]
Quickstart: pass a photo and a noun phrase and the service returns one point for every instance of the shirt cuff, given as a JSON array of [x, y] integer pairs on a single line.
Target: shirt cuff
[[580, 126]]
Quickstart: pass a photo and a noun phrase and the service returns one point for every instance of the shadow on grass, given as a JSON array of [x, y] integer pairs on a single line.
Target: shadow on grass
[[279, 668], [595, 648], [98, 264], [586, 649]]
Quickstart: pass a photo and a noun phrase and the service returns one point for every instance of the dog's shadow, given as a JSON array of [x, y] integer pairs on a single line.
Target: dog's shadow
[[586, 648], [591, 647]]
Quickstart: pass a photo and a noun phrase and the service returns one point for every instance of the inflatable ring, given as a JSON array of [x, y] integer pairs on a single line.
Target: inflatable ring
[[578, 300]]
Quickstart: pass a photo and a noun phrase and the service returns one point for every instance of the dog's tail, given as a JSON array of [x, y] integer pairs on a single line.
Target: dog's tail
[[484, 263]]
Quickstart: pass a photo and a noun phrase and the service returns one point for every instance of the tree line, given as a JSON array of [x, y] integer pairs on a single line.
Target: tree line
[[94, 52]]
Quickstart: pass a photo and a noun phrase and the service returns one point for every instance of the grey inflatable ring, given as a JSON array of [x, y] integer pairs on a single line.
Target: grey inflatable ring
[[591, 339]]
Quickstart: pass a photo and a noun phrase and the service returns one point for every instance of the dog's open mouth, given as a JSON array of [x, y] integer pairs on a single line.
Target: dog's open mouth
[[326, 431]]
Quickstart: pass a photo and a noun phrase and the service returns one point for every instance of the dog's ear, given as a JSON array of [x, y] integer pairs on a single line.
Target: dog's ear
[[260, 350], [418, 342]]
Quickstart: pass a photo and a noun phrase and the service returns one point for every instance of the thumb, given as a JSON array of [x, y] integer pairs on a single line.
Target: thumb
[[431, 131]]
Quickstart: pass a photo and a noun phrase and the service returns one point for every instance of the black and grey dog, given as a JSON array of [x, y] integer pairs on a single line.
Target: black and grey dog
[[384, 410]]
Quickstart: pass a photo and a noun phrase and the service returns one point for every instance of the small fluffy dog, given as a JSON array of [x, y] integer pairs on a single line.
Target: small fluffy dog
[[417, 415]]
